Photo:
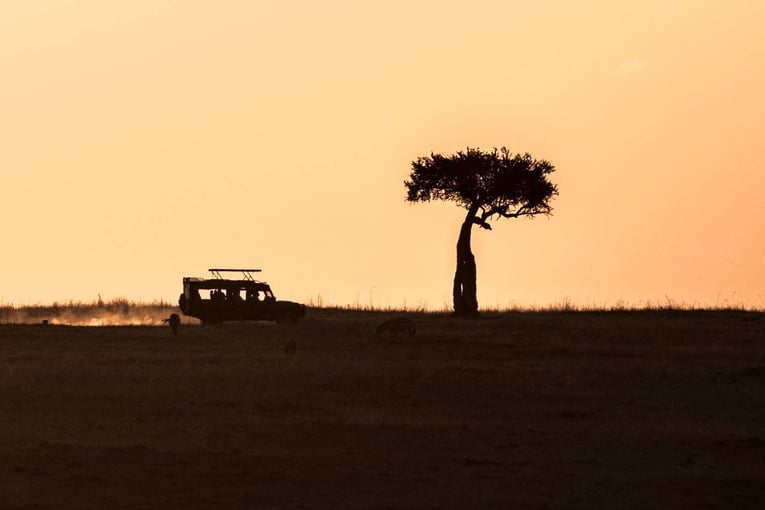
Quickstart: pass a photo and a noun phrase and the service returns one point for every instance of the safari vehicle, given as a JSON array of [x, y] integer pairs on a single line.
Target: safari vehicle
[[217, 299]]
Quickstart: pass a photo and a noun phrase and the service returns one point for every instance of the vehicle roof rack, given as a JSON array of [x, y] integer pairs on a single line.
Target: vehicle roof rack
[[246, 273]]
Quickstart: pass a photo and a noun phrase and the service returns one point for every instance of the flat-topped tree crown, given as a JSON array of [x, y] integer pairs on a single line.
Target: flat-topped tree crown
[[488, 184], [496, 183]]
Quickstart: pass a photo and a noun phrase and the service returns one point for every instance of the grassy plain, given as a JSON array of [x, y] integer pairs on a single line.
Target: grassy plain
[[641, 409]]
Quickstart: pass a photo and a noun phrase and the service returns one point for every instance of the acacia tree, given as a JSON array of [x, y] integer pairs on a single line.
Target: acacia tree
[[490, 185]]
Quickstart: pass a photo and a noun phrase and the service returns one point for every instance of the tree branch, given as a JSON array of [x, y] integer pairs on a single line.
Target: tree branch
[[481, 222]]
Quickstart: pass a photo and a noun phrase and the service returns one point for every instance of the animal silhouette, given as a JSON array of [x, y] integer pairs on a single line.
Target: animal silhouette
[[175, 321], [396, 326]]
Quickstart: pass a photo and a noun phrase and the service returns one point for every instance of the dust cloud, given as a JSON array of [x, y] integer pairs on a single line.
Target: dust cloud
[[118, 313]]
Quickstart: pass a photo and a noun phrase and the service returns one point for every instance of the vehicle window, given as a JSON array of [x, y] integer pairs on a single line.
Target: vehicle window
[[204, 294], [254, 295]]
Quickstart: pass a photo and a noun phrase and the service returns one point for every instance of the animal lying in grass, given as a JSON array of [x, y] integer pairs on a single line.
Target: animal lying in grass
[[396, 326]]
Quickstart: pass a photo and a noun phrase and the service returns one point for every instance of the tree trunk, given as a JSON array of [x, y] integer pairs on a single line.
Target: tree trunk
[[464, 293]]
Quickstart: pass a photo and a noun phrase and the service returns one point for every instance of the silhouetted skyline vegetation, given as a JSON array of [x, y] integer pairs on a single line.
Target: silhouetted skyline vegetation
[[490, 185]]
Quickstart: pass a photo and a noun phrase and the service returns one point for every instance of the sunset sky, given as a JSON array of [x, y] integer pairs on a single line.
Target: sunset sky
[[147, 140]]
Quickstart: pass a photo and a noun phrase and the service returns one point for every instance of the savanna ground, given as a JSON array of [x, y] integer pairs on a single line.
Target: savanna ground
[[621, 409]]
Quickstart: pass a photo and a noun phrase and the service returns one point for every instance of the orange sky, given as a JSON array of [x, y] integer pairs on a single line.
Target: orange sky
[[151, 140]]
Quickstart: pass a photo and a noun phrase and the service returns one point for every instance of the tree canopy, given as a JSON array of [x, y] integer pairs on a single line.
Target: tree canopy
[[494, 183]]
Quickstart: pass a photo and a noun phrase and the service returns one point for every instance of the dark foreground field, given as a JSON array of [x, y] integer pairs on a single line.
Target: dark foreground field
[[583, 410]]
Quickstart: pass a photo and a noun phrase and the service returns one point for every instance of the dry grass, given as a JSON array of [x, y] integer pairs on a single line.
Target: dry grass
[[649, 409]]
